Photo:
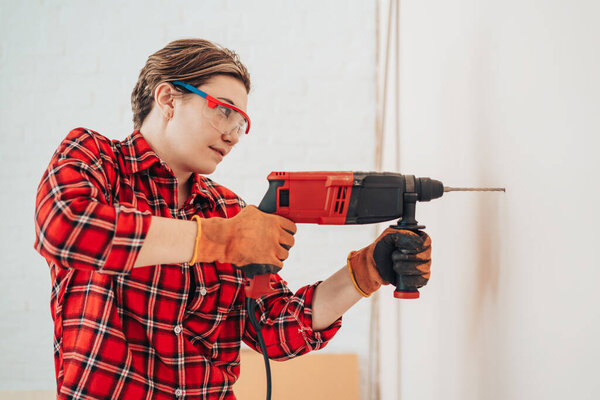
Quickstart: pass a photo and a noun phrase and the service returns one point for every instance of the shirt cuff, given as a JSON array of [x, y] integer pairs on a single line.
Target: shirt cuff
[[313, 340], [131, 228]]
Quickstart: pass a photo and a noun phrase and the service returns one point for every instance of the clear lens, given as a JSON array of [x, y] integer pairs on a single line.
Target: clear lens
[[226, 120]]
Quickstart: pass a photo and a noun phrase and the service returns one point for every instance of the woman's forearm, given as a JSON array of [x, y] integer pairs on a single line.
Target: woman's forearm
[[332, 298], [168, 241]]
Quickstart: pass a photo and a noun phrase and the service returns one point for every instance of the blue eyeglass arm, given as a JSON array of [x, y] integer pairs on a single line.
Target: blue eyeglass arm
[[190, 88]]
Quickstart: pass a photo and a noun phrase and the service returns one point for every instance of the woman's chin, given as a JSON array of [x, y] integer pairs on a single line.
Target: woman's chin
[[206, 169]]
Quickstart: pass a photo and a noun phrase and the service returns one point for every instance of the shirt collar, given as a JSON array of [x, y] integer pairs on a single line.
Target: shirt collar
[[204, 187], [137, 153]]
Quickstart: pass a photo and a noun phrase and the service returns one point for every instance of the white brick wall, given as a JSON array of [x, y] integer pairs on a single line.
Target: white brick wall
[[67, 64]]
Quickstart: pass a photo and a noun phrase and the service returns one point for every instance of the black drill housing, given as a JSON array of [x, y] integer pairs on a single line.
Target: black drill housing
[[383, 196]]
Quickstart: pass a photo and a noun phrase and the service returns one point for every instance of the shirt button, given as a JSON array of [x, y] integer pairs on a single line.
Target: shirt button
[[203, 291], [178, 393], [177, 329]]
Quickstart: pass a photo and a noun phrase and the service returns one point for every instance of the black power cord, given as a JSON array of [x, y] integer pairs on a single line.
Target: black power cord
[[251, 307]]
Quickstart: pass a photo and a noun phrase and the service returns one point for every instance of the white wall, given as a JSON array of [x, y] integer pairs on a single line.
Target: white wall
[[502, 94], [70, 63]]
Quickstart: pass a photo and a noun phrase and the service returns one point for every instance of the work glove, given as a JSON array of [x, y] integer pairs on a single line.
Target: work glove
[[251, 237], [394, 251]]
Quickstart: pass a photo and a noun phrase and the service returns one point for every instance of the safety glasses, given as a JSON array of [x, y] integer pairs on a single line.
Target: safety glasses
[[224, 117]]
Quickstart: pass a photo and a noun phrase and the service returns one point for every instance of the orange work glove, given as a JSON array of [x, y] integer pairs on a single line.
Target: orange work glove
[[251, 237], [395, 251]]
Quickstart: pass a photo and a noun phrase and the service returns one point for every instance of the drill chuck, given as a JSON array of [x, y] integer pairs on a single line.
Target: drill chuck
[[429, 189]]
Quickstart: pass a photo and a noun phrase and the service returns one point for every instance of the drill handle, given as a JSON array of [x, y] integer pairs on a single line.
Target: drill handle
[[257, 284], [257, 280]]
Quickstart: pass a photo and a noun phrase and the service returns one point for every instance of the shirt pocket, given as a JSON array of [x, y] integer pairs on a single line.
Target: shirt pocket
[[216, 300], [228, 337]]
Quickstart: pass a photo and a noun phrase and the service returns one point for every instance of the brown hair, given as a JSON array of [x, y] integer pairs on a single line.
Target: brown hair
[[193, 61]]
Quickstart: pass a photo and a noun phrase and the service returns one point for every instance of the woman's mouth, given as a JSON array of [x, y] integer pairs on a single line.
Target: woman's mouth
[[219, 152]]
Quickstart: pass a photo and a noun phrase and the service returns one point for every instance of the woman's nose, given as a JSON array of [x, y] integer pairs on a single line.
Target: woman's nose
[[231, 137]]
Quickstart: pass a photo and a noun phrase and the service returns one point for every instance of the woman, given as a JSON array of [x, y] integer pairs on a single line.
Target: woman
[[147, 300]]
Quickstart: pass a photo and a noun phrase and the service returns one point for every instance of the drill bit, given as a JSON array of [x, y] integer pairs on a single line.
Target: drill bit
[[458, 189]]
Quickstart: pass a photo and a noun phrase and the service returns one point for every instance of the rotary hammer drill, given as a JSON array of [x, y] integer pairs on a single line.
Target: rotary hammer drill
[[345, 198]]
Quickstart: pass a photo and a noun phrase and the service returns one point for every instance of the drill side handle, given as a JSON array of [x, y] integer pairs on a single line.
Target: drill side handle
[[408, 223]]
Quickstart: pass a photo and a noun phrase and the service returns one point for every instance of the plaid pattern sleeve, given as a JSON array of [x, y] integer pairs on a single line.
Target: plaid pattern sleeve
[[286, 323], [76, 226]]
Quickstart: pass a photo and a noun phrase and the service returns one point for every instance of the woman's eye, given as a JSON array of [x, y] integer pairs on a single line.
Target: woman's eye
[[224, 110]]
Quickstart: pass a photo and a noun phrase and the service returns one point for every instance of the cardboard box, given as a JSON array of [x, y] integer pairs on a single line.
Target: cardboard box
[[313, 376]]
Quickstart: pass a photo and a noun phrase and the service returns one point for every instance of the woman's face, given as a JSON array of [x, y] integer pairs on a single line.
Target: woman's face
[[197, 146]]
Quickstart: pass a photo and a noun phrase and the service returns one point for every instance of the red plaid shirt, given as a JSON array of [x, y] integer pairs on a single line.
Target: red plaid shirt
[[157, 332]]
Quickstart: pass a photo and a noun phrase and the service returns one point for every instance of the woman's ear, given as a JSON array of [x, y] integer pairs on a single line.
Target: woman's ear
[[164, 96]]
